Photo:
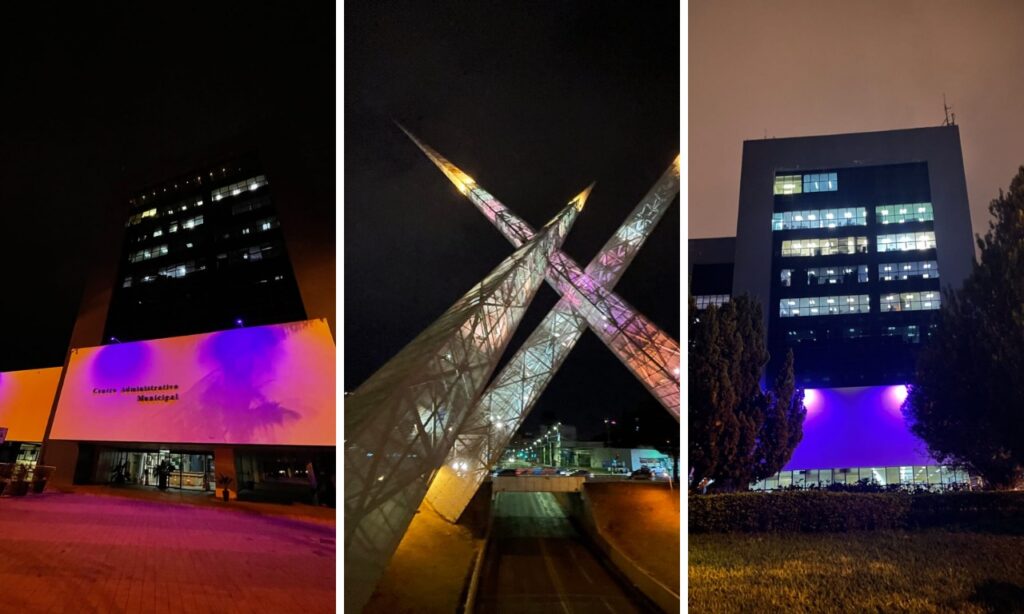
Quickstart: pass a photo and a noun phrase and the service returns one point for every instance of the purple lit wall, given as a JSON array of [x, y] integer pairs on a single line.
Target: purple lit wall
[[260, 385], [857, 427]]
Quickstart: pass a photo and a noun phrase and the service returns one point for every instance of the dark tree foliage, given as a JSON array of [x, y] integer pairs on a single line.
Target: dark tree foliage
[[737, 431], [967, 402]]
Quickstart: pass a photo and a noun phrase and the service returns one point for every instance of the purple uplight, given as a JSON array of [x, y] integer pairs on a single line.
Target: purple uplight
[[857, 427]]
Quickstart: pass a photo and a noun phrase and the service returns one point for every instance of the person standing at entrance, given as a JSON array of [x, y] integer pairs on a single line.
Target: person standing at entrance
[[311, 476]]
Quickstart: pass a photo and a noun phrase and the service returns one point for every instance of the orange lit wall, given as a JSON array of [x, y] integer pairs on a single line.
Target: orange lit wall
[[26, 398], [259, 385]]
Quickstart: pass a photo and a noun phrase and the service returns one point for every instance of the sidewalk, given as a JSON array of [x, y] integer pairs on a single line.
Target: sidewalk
[[324, 516], [127, 552]]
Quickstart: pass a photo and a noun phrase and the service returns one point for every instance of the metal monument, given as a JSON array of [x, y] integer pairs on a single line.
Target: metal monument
[[648, 352], [401, 423]]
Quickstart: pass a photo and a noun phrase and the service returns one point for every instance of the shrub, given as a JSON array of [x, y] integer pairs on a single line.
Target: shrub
[[825, 511]]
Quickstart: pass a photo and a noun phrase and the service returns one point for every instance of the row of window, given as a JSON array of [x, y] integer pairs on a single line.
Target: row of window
[[188, 224], [910, 301], [824, 275], [250, 205], [819, 218], [148, 253], [906, 241], [824, 305], [250, 185], [909, 333], [923, 269], [901, 242], [786, 185], [824, 247], [898, 214], [184, 205], [706, 300], [181, 270], [924, 475], [889, 271], [851, 216]]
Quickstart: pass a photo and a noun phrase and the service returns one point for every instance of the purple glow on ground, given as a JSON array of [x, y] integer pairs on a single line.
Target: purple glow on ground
[[857, 427]]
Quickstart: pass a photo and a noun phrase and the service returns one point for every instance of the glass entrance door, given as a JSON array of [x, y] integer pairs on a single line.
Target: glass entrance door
[[183, 470]]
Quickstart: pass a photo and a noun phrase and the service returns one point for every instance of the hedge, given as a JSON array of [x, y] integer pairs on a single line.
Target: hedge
[[822, 511]]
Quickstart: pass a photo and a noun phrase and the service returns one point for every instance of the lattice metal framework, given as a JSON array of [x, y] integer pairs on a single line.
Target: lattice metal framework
[[401, 423], [510, 397], [648, 352]]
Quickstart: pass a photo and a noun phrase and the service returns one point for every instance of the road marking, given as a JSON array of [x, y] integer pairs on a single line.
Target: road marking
[[572, 553], [554, 576]]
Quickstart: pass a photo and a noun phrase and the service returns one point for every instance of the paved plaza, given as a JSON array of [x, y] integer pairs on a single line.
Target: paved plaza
[[86, 553]]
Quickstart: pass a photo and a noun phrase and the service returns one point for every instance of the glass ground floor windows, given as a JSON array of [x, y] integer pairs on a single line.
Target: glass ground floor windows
[[160, 468], [931, 476]]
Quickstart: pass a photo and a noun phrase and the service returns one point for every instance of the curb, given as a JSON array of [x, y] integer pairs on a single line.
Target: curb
[[474, 581]]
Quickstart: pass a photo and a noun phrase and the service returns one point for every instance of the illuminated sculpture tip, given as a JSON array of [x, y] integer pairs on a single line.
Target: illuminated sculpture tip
[[580, 200], [677, 162]]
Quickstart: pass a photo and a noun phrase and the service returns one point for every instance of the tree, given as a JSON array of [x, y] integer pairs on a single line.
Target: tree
[[967, 397], [737, 430]]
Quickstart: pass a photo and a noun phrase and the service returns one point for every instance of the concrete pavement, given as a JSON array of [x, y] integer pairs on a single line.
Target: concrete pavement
[[84, 553]]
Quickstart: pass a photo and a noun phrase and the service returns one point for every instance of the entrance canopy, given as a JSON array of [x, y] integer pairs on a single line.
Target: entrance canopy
[[26, 398], [259, 385]]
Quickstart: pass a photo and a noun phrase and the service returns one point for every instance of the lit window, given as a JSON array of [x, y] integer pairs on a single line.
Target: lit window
[[158, 233], [833, 305], [788, 184], [910, 301], [822, 182], [819, 218], [703, 301], [825, 247], [906, 241], [235, 189], [899, 214]]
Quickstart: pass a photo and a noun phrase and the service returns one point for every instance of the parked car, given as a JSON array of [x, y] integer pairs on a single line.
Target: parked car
[[643, 473]]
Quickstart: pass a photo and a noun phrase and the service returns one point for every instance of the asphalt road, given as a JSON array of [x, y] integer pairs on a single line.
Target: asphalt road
[[538, 563]]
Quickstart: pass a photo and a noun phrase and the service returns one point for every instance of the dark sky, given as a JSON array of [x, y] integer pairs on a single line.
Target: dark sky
[[534, 100], [805, 67], [94, 98]]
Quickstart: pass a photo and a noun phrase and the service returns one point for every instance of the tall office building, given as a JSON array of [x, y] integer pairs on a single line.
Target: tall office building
[[847, 241], [201, 252], [204, 341]]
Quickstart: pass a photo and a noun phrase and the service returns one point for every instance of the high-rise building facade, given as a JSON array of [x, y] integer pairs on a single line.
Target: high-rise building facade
[[711, 263], [202, 252], [847, 241]]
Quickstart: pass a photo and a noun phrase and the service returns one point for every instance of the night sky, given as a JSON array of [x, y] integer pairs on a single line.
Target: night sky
[[94, 100], [534, 101], [807, 67]]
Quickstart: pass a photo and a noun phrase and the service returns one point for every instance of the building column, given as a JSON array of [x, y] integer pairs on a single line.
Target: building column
[[224, 465]]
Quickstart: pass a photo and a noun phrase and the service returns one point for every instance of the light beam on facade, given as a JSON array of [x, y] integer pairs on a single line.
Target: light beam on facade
[[400, 424]]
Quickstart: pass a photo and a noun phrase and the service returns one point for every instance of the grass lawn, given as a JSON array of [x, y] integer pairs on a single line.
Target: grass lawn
[[882, 571]]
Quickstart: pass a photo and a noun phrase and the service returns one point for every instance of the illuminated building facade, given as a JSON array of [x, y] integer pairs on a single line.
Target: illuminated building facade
[[847, 241], [204, 338]]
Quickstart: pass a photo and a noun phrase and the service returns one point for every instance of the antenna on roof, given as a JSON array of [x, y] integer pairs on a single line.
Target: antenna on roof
[[950, 117]]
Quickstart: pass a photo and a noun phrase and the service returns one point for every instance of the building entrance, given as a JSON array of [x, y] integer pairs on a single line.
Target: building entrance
[[160, 469]]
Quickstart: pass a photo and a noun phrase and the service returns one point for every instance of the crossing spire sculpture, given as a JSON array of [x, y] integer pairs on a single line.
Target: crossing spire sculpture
[[586, 296], [649, 353], [401, 423]]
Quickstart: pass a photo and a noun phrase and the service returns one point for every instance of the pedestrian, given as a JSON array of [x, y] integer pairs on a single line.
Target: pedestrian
[[311, 476]]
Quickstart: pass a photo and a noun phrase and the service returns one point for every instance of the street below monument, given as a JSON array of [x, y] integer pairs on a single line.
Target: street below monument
[[538, 562]]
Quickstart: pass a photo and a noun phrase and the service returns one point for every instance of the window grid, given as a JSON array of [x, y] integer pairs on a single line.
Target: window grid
[[249, 185], [788, 184], [922, 269], [910, 333], [148, 253], [824, 247], [706, 300], [820, 218], [824, 305], [898, 214], [910, 301], [930, 476], [906, 241], [827, 275], [823, 182]]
